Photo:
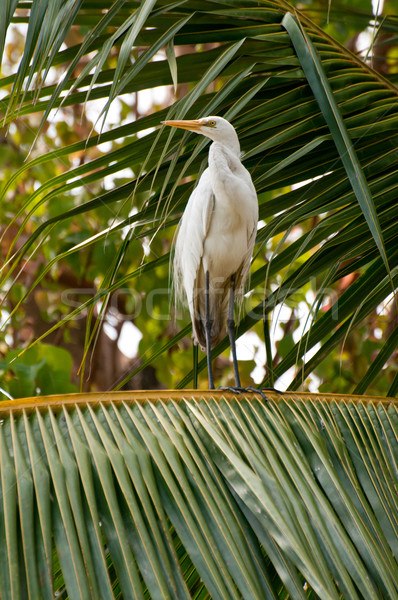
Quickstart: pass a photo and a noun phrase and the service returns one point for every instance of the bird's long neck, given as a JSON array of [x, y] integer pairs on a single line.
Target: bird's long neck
[[224, 157], [231, 143], [234, 146]]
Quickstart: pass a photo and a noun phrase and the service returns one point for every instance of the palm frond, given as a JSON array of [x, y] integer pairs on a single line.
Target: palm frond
[[247, 70], [177, 496]]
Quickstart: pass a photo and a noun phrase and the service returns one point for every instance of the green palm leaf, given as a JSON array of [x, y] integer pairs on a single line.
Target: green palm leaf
[[241, 64], [179, 496], [320, 86]]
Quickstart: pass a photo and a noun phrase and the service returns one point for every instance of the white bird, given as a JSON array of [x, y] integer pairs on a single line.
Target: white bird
[[215, 238]]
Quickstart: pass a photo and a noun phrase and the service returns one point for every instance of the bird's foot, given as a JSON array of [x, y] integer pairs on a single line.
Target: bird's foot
[[265, 389], [230, 388], [262, 390], [242, 390], [256, 391]]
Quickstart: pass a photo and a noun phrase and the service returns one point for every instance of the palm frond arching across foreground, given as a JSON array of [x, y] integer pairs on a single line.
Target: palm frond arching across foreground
[[172, 496], [255, 79]]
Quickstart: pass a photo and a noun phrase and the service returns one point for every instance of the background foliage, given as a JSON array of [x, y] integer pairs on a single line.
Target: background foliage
[[139, 495], [136, 495], [92, 190]]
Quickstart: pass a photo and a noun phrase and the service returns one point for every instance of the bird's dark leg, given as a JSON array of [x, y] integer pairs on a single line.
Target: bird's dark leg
[[208, 325], [231, 331], [195, 366]]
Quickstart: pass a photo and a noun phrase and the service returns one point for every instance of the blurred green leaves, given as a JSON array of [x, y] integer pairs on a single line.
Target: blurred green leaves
[[41, 370], [98, 210]]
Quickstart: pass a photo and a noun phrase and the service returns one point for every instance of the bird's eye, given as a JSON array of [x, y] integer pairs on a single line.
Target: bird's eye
[[211, 123]]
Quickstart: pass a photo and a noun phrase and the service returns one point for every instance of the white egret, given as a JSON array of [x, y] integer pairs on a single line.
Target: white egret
[[215, 238]]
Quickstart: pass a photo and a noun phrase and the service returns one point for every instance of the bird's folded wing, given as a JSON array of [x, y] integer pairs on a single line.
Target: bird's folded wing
[[191, 235]]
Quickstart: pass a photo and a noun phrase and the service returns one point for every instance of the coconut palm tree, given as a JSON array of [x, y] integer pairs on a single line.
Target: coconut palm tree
[[171, 495]]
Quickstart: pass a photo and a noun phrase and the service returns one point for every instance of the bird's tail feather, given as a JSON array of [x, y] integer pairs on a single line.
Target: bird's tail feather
[[219, 298]]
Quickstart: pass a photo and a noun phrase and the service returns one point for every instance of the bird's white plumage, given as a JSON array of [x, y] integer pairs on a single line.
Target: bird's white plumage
[[217, 230]]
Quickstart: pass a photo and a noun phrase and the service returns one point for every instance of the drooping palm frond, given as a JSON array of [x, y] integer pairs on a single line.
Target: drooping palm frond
[[259, 83], [176, 496]]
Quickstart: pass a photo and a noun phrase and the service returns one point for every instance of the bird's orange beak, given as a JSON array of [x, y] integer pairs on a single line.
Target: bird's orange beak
[[193, 125]]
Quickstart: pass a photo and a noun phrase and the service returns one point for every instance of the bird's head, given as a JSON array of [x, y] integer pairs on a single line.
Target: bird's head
[[215, 128]]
